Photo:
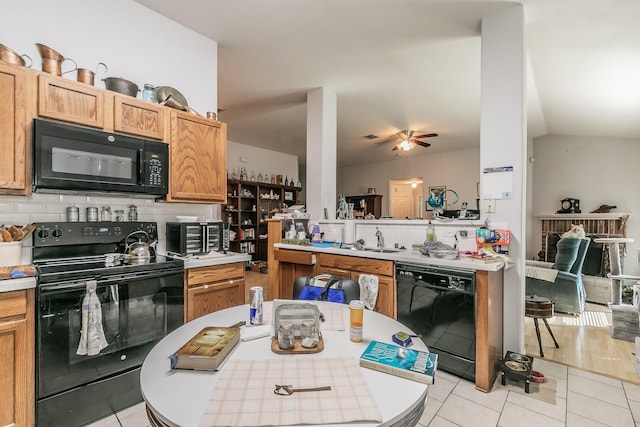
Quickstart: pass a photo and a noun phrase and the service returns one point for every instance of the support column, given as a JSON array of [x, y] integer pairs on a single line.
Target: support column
[[503, 130], [321, 153]]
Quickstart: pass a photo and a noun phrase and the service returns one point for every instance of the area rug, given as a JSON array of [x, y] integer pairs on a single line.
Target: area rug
[[545, 392]]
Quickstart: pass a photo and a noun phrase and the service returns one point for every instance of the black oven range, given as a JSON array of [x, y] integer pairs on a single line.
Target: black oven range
[[90, 344]]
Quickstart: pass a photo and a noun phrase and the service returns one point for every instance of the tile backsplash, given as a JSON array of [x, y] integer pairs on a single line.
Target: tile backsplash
[[41, 207]]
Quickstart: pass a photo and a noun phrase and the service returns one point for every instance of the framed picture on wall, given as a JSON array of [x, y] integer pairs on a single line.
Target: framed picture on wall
[[436, 191], [288, 195]]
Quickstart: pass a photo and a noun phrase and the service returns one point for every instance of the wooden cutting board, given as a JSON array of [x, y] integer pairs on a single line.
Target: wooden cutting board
[[5, 272]]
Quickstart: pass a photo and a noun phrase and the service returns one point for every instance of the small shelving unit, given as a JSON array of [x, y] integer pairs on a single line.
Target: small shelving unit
[[249, 205]]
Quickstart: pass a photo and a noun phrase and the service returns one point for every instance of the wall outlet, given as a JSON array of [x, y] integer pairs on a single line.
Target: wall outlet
[[490, 206], [462, 233]]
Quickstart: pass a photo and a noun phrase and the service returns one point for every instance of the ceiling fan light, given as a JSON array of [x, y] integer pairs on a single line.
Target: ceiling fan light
[[404, 145]]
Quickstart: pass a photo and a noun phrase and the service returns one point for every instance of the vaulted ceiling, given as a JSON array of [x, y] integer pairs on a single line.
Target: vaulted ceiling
[[412, 64]]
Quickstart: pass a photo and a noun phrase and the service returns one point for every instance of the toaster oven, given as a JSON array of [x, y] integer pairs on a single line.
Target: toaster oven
[[197, 238]]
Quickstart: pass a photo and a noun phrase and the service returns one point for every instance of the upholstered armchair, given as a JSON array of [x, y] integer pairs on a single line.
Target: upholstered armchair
[[560, 281]]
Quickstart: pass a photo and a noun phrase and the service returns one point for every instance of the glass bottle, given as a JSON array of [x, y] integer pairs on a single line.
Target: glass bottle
[[105, 213], [149, 93], [253, 176], [285, 335], [133, 213], [308, 333], [259, 177]]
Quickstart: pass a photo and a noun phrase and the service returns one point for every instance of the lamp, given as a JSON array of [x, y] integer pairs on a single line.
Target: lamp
[[405, 145]]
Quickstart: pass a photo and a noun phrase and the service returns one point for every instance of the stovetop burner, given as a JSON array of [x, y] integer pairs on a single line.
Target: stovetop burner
[[76, 251]]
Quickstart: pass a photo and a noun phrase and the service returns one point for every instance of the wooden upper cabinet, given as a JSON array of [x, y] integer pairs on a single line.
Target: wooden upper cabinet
[[70, 101], [15, 130], [198, 159], [138, 117], [83, 104]]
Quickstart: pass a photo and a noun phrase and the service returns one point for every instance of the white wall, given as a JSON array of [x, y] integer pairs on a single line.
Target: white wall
[[260, 161], [136, 44], [456, 170], [595, 170]]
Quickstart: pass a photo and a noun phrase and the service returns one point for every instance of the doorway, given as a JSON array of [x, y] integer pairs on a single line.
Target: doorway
[[406, 199]]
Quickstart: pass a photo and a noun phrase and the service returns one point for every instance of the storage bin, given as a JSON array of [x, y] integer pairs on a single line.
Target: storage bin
[[10, 253]]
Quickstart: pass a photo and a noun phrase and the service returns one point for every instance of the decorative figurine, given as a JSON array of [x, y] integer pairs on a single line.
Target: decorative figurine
[[342, 207]]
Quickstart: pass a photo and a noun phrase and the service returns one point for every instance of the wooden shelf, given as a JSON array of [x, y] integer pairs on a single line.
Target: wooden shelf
[[241, 208]]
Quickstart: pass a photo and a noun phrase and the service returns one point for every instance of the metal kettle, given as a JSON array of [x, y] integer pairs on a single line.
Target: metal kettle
[[140, 251]]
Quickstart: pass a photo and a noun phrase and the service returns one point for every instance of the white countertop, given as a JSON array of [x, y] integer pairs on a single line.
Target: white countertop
[[19, 284], [404, 255]]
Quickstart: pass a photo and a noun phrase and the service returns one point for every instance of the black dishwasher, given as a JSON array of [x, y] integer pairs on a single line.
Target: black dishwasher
[[438, 303]]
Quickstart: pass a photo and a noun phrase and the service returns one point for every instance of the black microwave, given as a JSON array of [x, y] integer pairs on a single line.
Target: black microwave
[[197, 238], [78, 159]]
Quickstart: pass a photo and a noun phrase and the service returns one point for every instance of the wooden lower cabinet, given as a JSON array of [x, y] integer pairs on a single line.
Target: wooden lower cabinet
[[353, 267], [213, 288], [17, 352]]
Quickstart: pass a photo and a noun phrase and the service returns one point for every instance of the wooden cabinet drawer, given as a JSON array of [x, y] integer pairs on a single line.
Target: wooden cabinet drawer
[[74, 102], [295, 257], [363, 265], [201, 275], [13, 305]]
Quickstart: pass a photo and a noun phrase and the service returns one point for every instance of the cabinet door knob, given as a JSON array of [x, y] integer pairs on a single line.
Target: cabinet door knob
[[231, 281], [206, 286]]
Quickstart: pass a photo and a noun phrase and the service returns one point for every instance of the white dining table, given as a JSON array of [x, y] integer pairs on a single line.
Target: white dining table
[[180, 397]]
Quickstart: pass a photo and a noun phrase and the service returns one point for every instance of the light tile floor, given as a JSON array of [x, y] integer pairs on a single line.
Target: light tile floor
[[583, 399]]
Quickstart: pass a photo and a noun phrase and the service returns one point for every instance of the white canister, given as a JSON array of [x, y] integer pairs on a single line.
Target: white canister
[[10, 253]]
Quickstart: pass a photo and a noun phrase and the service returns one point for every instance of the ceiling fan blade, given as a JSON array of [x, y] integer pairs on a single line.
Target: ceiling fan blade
[[422, 143], [426, 135], [384, 141]]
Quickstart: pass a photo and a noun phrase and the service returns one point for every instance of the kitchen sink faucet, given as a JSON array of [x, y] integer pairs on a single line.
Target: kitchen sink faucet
[[380, 238]]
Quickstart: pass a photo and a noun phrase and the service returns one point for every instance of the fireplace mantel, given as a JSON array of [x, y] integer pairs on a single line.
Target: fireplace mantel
[[603, 216]]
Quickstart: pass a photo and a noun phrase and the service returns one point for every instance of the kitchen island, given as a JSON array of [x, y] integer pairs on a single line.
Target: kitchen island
[[286, 262]]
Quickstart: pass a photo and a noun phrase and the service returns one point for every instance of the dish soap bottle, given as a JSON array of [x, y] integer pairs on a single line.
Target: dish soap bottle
[[316, 237], [431, 233]]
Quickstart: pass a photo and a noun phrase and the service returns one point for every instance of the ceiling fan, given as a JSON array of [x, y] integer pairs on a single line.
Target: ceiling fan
[[408, 141]]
